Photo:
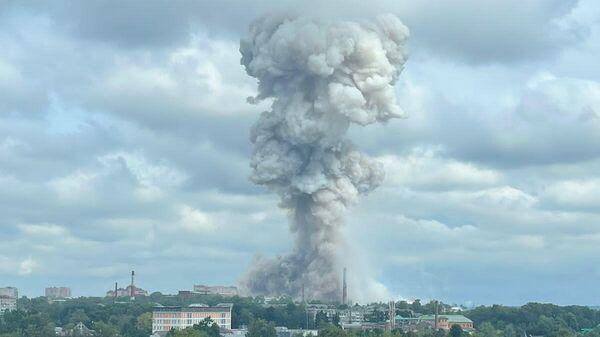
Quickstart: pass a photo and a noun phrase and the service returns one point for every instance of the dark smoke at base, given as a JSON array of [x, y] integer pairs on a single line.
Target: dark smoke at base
[[321, 76]]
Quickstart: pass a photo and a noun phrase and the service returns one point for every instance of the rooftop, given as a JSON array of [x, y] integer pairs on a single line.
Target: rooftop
[[194, 307], [450, 318]]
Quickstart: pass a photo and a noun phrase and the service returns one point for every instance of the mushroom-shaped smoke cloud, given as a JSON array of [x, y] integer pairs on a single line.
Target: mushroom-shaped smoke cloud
[[321, 76]]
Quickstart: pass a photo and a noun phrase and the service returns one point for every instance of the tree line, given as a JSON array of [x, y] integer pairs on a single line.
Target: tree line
[[109, 318]]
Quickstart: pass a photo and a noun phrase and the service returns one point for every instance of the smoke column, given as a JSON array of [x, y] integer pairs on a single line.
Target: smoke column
[[320, 77]]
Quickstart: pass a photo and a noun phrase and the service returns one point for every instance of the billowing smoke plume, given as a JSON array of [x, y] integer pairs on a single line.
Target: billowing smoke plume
[[321, 76]]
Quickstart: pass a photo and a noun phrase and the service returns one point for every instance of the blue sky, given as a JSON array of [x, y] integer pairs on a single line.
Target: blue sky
[[124, 144]]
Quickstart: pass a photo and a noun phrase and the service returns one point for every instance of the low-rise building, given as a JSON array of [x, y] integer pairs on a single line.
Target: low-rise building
[[354, 314], [329, 310], [234, 333], [445, 322], [285, 332], [412, 324], [174, 317], [216, 290], [78, 330], [58, 292]]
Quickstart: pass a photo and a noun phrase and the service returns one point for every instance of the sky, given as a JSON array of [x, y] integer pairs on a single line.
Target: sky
[[124, 144]]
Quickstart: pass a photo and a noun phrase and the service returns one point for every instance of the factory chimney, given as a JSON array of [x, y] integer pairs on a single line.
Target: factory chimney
[[116, 292], [133, 285], [344, 290]]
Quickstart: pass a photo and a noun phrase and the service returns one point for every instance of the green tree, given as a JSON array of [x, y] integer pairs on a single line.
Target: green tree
[[416, 306], [377, 316], [77, 316], [336, 320], [455, 331], [321, 319], [144, 322], [486, 329], [105, 329], [208, 327], [261, 328], [332, 331], [511, 331], [37, 325], [187, 332]]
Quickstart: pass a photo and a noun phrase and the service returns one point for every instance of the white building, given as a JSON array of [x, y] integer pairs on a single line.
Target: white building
[[285, 332], [352, 315], [167, 318], [8, 299], [216, 290], [7, 303]]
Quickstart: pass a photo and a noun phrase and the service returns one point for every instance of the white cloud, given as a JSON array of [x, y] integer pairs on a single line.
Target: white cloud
[[188, 83], [27, 266], [74, 186], [121, 149], [195, 221], [43, 230], [426, 169], [574, 194]]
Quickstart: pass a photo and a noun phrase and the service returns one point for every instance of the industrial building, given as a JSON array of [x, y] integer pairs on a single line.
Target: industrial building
[[447, 321], [167, 318], [126, 292], [58, 292], [216, 290], [444, 322], [132, 291]]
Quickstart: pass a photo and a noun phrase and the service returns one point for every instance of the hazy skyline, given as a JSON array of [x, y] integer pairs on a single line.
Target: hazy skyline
[[124, 144]]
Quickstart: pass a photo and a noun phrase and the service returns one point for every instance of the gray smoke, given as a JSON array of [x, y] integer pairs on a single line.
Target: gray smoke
[[321, 77]]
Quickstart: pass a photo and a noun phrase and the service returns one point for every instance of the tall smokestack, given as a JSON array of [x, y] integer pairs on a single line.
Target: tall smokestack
[[321, 77], [344, 289], [116, 292], [133, 285]]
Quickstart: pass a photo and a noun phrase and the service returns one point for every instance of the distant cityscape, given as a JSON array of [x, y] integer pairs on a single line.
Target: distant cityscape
[[223, 308], [166, 318]]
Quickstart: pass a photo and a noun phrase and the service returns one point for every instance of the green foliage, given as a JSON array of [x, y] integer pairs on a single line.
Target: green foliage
[[486, 329], [261, 328], [538, 319], [455, 331], [105, 329], [188, 332], [144, 322], [332, 331], [208, 328], [37, 318], [321, 320], [377, 316]]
